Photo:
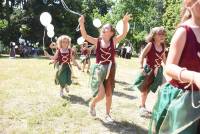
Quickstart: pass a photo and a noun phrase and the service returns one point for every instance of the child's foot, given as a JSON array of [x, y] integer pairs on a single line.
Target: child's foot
[[61, 93], [108, 119], [144, 112], [92, 110], [67, 90]]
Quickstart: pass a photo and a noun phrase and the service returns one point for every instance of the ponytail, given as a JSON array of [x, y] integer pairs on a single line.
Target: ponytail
[[185, 14]]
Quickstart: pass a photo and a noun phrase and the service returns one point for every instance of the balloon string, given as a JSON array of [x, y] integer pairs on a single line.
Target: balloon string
[[69, 10], [78, 28], [43, 40]]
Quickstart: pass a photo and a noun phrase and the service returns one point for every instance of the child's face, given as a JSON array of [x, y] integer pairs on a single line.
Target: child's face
[[65, 43], [160, 36], [106, 31], [195, 7]]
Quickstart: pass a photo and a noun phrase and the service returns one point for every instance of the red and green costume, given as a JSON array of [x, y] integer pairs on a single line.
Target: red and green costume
[[63, 74], [147, 80], [177, 110]]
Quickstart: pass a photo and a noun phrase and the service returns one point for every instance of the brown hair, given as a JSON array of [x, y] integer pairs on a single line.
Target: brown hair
[[155, 30]]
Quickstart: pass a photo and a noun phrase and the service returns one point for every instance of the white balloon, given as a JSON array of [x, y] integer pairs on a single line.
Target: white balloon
[[45, 18], [50, 27], [97, 23], [119, 27], [80, 40], [50, 34]]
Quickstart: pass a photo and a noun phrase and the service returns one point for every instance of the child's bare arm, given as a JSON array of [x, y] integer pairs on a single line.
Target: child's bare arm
[[90, 39]]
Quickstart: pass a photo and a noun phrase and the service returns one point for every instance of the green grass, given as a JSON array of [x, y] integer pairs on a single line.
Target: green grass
[[30, 101]]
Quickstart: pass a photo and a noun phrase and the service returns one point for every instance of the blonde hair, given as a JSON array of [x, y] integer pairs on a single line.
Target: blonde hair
[[153, 32], [61, 38]]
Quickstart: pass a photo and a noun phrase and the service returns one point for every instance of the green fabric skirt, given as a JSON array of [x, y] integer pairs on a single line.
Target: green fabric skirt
[[173, 112], [63, 75], [84, 58], [98, 74], [146, 80]]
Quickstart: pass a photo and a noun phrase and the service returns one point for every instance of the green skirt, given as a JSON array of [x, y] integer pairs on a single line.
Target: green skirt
[[98, 74], [63, 75], [173, 112], [84, 58], [146, 80]]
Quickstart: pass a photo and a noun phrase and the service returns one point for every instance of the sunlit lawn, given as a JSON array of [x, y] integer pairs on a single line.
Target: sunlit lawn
[[30, 101]]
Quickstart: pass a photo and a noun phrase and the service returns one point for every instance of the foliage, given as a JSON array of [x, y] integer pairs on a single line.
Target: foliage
[[21, 18]]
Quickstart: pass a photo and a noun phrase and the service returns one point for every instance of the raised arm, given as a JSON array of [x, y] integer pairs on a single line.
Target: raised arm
[[125, 20], [144, 53], [90, 39]]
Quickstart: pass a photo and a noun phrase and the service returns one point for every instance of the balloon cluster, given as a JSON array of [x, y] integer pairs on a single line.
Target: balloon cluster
[[45, 19], [97, 24]]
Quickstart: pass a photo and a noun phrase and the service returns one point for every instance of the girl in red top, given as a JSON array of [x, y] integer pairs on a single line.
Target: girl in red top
[[85, 57], [177, 110], [63, 57], [151, 74], [103, 73]]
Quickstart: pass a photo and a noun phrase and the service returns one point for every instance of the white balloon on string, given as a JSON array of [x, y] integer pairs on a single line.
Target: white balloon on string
[[97, 23], [45, 18], [50, 34], [80, 40], [120, 26], [50, 27]]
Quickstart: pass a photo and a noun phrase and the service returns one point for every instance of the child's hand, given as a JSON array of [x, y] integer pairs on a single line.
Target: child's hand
[[81, 19], [127, 17], [197, 79]]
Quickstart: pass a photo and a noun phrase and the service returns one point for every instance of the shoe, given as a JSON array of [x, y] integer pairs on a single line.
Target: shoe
[[144, 112], [108, 119], [61, 93], [67, 90], [92, 111]]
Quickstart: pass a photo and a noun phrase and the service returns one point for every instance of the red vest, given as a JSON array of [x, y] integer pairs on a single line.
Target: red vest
[[105, 55], [85, 51], [64, 57], [189, 58], [154, 58]]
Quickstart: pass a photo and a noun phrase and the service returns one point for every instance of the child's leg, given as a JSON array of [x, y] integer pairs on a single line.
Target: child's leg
[[84, 63], [143, 98], [61, 92], [88, 65], [99, 97], [108, 98], [66, 89]]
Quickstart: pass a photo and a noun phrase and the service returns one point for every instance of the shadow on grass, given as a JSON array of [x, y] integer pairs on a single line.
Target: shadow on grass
[[120, 94], [130, 88], [77, 100], [122, 83], [124, 127]]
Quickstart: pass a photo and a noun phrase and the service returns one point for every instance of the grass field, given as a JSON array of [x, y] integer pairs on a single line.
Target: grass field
[[30, 101]]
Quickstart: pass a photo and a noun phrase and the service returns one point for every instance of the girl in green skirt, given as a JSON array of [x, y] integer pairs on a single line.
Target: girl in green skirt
[[103, 72], [177, 110], [62, 58], [150, 75]]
